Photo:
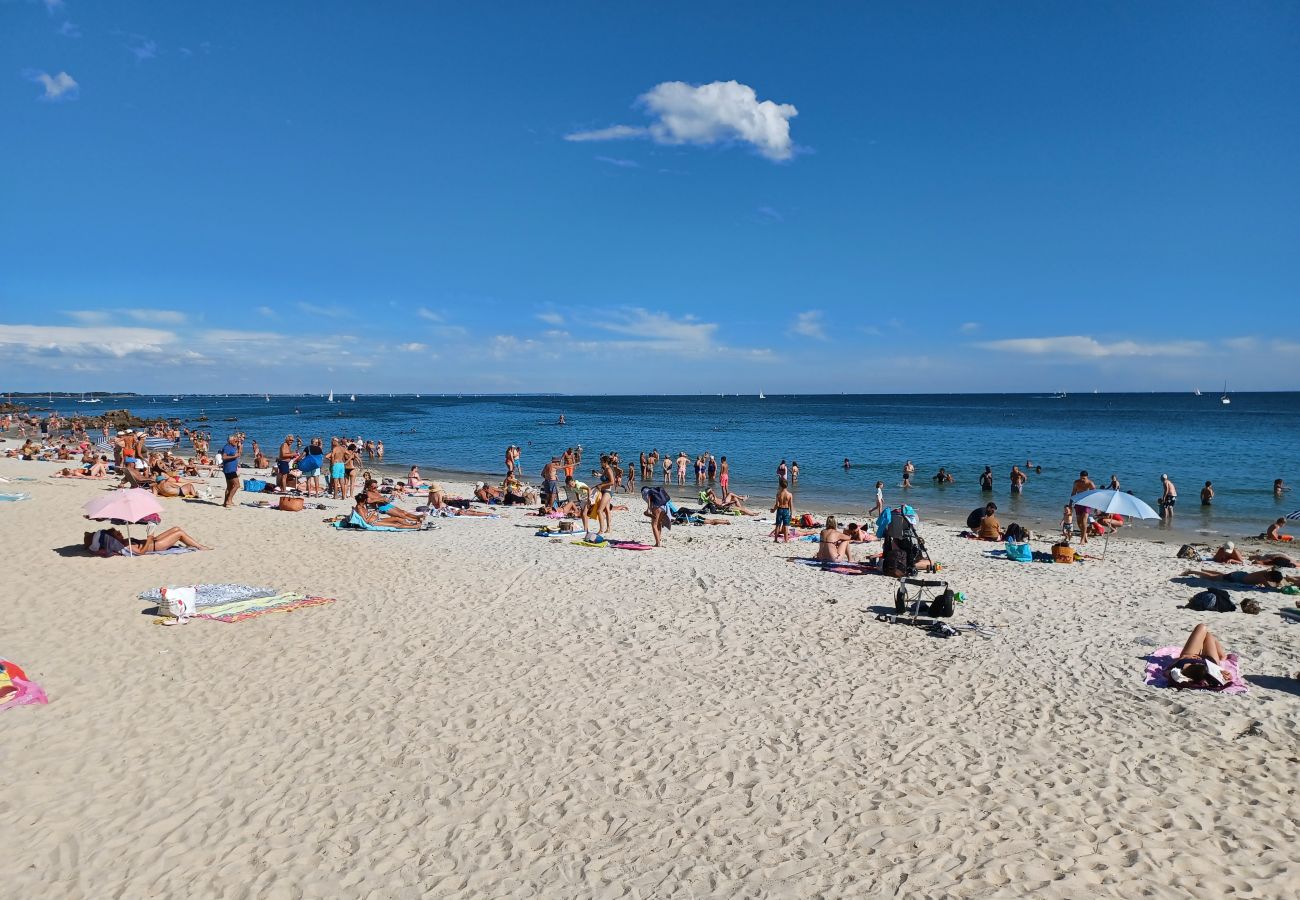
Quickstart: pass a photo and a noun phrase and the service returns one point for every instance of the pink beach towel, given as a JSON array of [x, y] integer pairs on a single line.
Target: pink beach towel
[[15, 689], [1161, 659]]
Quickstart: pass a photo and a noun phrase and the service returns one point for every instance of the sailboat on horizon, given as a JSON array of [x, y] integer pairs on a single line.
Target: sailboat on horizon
[[1225, 399], [762, 396], [330, 398], [354, 398]]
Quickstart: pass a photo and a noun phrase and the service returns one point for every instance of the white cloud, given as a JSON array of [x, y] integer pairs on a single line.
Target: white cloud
[[613, 133], [88, 316], [708, 114], [969, 327], [413, 347], [551, 318], [809, 324], [143, 50], [57, 87], [428, 314], [68, 340], [620, 163], [156, 316], [267, 311], [68, 29], [769, 215], [317, 309], [1082, 347], [52, 6]]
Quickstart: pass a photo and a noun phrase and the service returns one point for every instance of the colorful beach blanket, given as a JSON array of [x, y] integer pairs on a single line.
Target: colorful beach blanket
[[240, 610], [629, 545], [1161, 659], [16, 689]]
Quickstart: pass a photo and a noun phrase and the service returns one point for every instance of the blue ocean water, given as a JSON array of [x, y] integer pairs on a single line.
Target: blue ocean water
[[1241, 447]]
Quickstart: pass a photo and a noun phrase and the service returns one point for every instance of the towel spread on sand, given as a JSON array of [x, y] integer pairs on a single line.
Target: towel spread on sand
[[260, 606], [14, 498], [15, 689], [629, 545], [217, 594], [1161, 659], [840, 568]]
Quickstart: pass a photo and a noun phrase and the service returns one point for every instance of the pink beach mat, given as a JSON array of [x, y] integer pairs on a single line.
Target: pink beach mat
[[15, 689], [1161, 659]]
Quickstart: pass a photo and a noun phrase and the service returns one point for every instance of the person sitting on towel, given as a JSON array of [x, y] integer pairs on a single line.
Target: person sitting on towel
[[371, 517], [383, 506], [111, 542], [833, 545]]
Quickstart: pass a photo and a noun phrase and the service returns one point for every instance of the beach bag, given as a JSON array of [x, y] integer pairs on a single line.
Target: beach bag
[[291, 504], [1250, 606], [1187, 551], [895, 561], [1063, 553], [1019, 552], [177, 602], [256, 485], [807, 521]]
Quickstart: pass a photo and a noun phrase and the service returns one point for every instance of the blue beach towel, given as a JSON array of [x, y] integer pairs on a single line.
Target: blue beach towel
[[355, 521]]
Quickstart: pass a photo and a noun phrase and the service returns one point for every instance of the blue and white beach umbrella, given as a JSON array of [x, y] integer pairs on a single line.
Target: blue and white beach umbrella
[[1294, 517], [1116, 502]]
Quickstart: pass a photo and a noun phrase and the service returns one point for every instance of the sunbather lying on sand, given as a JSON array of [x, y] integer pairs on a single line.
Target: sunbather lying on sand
[[1276, 560], [727, 502], [1198, 664], [1269, 578], [112, 541]]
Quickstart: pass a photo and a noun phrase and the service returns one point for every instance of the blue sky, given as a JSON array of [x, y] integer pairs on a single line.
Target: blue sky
[[626, 198]]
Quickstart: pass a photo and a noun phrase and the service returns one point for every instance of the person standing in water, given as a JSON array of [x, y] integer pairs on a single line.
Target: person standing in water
[[724, 475], [908, 471], [1168, 497], [986, 479], [879, 508], [1018, 479]]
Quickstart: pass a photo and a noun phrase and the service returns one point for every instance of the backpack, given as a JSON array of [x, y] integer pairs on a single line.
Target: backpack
[[1212, 600], [807, 521], [1187, 551]]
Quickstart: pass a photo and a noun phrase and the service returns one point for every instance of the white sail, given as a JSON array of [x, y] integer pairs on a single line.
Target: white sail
[[762, 396], [330, 398], [354, 398]]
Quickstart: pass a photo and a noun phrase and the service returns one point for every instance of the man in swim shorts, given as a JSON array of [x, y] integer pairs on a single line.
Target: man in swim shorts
[[230, 467]]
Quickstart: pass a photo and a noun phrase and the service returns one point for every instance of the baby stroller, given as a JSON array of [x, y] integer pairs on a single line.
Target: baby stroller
[[903, 548]]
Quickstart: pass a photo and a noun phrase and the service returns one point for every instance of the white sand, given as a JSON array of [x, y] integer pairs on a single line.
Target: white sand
[[488, 713]]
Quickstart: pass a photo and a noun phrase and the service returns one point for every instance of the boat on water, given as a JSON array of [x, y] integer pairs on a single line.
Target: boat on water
[[354, 398], [1225, 399], [268, 398], [1196, 393], [762, 396], [91, 400], [330, 398]]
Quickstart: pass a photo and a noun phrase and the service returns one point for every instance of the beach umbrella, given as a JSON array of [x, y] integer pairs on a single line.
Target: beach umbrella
[[132, 505], [1116, 502], [1294, 517]]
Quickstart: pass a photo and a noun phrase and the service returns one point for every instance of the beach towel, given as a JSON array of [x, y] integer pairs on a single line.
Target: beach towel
[[217, 594], [629, 545], [590, 543], [360, 524], [840, 568], [14, 498], [240, 610], [1161, 659], [15, 689]]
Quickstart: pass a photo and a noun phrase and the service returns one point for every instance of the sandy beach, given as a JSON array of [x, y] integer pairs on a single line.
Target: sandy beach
[[484, 712]]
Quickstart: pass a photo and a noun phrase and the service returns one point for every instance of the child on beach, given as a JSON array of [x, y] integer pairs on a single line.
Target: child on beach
[[784, 509]]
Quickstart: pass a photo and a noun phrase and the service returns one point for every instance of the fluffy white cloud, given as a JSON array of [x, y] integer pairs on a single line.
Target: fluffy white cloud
[[708, 114], [809, 324], [57, 87], [551, 318], [1081, 347], [428, 314], [68, 340]]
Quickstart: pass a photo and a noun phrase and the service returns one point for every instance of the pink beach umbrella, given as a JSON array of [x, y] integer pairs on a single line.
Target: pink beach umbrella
[[125, 506]]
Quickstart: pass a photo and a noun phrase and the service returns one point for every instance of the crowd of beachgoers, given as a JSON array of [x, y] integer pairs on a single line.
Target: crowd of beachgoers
[[498, 556]]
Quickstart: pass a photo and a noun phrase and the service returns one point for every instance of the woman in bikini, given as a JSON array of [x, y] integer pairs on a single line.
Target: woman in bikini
[[833, 544], [1199, 663]]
